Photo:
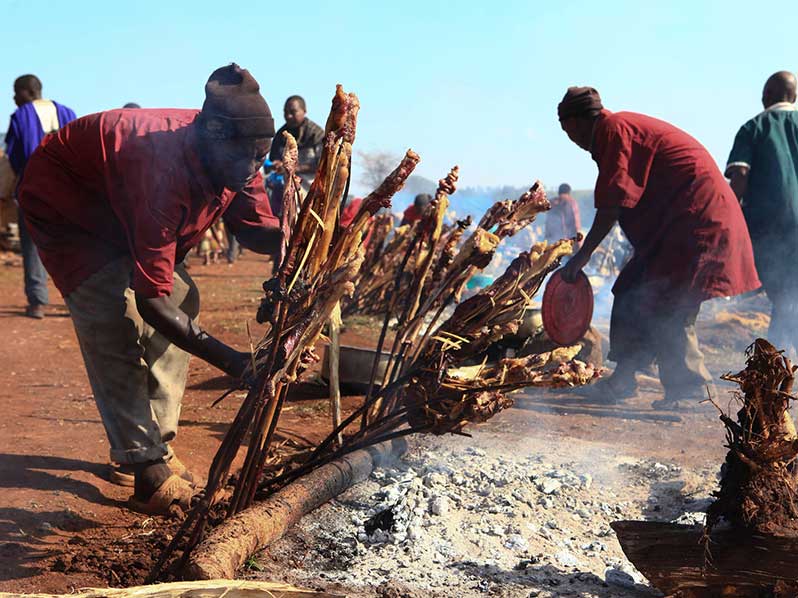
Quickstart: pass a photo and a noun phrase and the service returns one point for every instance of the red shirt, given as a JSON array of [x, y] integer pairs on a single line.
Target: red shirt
[[411, 215], [677, 210], [127, 182]]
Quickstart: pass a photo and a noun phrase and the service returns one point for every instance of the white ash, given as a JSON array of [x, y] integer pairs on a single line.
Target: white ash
[[485, 519]]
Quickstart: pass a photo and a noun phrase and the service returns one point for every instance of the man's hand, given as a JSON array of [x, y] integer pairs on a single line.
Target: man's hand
[[571, 270], [239, 364], [602, 223]]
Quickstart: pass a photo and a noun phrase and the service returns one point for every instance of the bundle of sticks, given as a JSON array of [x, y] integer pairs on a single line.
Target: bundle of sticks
[[429, 389], [425, 387], [444, 266], [320, 262], [423, 390], [436, 243], [759, 488]]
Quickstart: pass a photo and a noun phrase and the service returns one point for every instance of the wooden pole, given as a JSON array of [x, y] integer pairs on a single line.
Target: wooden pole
[[335, 381]]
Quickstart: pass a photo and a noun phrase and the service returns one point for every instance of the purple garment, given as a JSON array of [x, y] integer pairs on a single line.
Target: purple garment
[[25, 133]]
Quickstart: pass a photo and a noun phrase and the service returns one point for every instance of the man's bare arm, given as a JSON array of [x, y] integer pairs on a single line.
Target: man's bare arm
[[738, 180], [602, 224], [260, 239], [175, 325]]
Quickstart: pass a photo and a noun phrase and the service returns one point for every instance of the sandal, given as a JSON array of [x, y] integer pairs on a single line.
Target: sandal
[[174, 492], [122, 474], [605, 392]]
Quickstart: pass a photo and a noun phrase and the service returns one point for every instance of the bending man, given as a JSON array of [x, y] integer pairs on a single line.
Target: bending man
[[689, 238], [114, 202]]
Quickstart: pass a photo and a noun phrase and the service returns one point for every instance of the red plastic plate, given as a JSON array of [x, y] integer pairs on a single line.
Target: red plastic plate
[[567, 308]]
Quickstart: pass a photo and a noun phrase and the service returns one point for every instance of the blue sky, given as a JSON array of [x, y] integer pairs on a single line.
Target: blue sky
[[471, 83]]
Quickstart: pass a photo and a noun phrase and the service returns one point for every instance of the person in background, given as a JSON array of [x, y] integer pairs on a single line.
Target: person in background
[[131, 105], [309, 139], [34, 118], [234, 249], [212, 245], [8, 211], [562, 221], [763, 172], [416, 209], [689, 238], [115, 200]]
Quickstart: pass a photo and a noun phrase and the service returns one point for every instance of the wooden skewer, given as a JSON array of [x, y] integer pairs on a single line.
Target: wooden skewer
[[335, 383]]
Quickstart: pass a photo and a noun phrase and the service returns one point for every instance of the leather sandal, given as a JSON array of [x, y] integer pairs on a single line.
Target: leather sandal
[[174, 492], [122, 474]]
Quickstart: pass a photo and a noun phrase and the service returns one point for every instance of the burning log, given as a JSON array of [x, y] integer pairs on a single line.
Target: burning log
[[673, 558], [750, 538]]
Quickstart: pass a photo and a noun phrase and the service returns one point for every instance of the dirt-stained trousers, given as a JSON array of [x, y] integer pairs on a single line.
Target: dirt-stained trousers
[[138, 377]]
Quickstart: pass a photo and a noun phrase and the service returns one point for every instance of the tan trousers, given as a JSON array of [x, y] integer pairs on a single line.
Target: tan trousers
[[138, 377]]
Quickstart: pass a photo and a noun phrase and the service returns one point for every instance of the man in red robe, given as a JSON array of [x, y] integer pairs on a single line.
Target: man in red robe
[[114, 202], [688, 233]]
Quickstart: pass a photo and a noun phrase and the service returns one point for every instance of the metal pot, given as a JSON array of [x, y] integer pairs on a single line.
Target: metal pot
[[354, 367]]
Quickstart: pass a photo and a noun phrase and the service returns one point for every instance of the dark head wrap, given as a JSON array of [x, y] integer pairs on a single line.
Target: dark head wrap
[[422, 200], [234, 107], [579, 101], [564, 188]]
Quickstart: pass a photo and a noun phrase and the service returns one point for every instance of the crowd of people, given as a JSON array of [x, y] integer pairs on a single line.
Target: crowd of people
[[111, 203]]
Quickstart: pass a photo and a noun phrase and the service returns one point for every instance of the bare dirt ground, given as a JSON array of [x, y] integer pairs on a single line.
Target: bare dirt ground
[[56, 502], [55, 498]]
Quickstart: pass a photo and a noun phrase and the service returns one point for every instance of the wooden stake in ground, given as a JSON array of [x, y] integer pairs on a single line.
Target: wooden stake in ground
[[335, 381]]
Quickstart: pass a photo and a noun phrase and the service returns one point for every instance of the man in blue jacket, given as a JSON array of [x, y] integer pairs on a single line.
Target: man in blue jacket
[[33, 119]]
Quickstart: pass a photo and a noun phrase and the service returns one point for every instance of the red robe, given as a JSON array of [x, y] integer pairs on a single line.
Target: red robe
[[678, 212]]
